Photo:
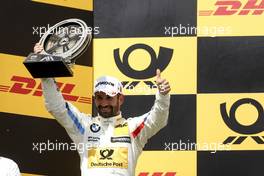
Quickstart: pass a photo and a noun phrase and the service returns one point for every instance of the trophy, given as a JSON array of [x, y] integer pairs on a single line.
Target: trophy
[[62, 44]]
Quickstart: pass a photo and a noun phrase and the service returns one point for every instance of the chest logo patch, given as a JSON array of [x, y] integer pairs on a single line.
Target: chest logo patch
[[95, 127]]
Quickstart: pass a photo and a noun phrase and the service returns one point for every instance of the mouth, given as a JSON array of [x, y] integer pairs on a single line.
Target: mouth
[[105, 109]]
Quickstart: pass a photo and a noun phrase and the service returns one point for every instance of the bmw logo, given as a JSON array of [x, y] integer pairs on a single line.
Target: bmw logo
[[95, 128]]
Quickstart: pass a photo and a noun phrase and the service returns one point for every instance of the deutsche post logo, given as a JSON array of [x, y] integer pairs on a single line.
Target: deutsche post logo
[[108, 157], [235, 7], [251, 130], [160, 60], [106, 154]]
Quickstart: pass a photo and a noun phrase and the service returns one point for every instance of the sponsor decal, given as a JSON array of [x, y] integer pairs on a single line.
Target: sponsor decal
[[108, 158], [121, 130], [29, 86], [17, 86], [104, 83], [232, 121], [93, 139], [106, 154], [249, 130], [121, 125], [160, 60], [124, 139], [235, 7], [94, 127], [134, 63]]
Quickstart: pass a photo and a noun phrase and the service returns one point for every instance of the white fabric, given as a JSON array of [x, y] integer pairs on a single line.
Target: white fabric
[[8, 167]]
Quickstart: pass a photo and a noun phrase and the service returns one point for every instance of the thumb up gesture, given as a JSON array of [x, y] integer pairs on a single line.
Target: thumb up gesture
[[163, 84]]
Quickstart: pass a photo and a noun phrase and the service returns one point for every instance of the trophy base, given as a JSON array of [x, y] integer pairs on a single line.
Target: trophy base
[[47, 66]]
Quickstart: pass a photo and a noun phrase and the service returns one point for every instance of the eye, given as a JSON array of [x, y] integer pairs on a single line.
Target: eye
[[98, 97], [109, 97]]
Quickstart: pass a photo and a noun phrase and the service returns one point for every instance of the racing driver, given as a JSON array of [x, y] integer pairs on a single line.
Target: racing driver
[[112, 144]]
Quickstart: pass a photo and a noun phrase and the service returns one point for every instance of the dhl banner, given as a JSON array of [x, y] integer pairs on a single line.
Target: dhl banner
[[17, 86], [135, 60], [230, 18]]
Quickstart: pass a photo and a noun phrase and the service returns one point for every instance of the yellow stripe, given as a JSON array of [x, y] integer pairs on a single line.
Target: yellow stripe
[[78, 4], [25, 174]]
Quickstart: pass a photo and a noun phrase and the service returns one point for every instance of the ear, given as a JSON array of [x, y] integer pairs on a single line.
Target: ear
[[121, 99]]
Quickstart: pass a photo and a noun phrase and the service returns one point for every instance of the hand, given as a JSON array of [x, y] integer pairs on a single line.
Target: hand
[[38, 48], [163, 84]]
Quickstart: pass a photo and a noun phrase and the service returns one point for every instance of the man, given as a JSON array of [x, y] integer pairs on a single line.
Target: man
[[111, 143], [8, 167]]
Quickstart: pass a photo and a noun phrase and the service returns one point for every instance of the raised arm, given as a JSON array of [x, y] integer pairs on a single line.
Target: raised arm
[[64, 112], [144, 127]]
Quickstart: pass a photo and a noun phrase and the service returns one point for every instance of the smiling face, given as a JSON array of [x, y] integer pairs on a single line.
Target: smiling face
[[108, 106]]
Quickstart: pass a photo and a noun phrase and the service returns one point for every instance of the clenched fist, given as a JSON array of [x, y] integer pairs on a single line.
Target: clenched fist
[[38, 48]]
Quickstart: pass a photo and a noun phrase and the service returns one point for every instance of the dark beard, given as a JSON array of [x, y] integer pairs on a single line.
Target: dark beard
[[111, 113]]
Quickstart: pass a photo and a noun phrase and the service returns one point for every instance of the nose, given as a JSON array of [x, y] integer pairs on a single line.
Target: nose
[[104, 102]]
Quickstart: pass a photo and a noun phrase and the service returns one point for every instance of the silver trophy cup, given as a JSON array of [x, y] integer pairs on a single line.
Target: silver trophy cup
[[63, 43]]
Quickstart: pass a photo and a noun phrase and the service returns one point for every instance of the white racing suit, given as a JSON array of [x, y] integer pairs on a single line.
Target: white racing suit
[[111, 146]]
